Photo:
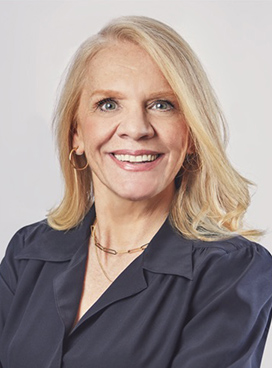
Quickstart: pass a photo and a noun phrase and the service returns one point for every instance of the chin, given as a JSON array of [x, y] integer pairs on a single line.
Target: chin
[[136, 194], [134, 198]]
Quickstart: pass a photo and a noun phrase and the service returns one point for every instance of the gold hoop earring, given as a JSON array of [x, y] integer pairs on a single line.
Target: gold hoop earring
[[72, 163]]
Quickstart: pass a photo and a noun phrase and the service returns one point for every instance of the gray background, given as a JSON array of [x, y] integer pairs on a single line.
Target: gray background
[[232, 38]]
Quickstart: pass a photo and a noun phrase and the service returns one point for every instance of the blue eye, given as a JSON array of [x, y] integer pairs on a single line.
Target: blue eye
[[162, 105], [107, 105]]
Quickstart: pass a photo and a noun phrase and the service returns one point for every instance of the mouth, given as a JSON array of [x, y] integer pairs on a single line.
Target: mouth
[[136, 159]]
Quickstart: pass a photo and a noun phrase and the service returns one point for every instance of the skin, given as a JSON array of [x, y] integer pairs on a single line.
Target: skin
[[142, 114]]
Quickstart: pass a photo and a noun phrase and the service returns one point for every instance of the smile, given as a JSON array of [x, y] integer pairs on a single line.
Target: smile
[[136, 159]]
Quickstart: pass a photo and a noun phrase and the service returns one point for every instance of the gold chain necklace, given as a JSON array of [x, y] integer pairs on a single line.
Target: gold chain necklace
[[100, 264], [111, 251]]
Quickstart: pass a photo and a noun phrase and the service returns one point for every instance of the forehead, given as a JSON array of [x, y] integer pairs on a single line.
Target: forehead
[[123, 54], [124, 62]]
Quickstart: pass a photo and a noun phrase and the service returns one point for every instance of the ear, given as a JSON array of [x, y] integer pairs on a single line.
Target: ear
[[78, 139]]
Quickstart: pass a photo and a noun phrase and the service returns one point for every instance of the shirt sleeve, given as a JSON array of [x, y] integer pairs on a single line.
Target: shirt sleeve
[[230, 313], [8, 277]]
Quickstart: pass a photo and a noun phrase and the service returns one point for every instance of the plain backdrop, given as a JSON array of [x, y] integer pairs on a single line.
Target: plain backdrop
[[233, 39]]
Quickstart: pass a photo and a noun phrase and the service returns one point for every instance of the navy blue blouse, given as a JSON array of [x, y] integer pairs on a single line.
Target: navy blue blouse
[[180, 304]]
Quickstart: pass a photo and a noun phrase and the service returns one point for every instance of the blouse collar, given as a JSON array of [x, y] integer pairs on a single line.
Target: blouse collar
[[167, 253]]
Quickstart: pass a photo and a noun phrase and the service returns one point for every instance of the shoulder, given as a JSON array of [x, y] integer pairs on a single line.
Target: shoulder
[[40, 241], [11, 267], [236, 253], [234, 245], [228, 245], [234, 269], [33, 241], [26, 235]]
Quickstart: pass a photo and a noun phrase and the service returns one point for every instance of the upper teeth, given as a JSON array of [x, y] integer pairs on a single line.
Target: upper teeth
[[140, 158]]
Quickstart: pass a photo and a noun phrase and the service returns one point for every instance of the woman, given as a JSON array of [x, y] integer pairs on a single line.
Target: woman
[[145, 263]]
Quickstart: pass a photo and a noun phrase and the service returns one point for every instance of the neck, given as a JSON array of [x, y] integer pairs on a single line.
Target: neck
[[123, 224]]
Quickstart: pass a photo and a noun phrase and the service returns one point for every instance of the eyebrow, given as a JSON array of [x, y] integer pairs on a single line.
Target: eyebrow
[[109, 92], [113, 93]]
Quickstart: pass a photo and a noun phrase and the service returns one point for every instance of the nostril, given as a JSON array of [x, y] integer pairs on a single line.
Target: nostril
[[135, 128]]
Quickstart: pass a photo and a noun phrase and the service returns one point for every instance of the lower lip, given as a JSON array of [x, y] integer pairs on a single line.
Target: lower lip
[[144, 166]]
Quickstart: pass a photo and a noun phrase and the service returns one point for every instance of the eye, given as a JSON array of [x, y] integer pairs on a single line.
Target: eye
[[107, 104], [161, 105]]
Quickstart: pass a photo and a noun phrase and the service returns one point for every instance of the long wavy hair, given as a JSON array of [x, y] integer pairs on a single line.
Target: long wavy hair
[[211, 196]]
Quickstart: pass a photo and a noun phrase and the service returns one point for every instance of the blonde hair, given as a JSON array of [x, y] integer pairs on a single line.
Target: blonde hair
[[211, 196]]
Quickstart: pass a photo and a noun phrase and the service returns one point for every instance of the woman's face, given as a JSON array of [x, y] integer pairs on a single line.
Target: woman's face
[[129, 125]]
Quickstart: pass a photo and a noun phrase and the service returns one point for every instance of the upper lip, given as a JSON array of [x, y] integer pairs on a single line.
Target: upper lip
[[135, 153]]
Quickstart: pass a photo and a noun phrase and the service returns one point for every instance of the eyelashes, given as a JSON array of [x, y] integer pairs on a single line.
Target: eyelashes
[[163, 105], [107, 104], [110, 104]]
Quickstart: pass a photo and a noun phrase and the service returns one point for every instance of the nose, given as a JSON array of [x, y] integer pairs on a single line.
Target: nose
[[135, 124]]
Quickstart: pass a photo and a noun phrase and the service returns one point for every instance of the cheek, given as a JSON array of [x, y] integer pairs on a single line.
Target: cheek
[[178, 139], [96, 134]]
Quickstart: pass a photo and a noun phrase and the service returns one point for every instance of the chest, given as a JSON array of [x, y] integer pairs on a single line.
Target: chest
[[145, 325], [100, 272], [140, 314]]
